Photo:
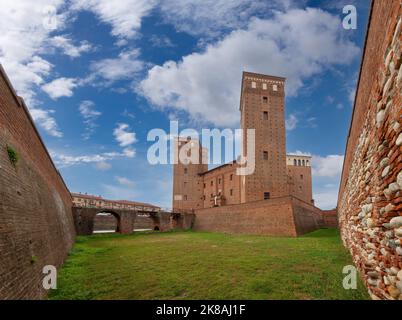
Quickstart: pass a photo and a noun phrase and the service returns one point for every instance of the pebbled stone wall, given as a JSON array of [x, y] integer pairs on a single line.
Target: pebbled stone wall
[[370, 196]]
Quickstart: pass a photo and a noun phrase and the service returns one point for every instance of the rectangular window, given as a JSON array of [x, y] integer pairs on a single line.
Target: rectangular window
[[185, 170], [253, 84], [265, 99], [231, 177], [265, 115], [219, 181], [264, 86], [231, 192], [205, 185], [275, 87], [266, 195], [265, 155], [212, 182]]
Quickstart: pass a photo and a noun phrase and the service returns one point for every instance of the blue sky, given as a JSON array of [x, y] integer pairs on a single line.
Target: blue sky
[[97, 75]]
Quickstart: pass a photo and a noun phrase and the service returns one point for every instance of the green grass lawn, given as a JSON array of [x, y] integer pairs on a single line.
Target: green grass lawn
[[201, 265]]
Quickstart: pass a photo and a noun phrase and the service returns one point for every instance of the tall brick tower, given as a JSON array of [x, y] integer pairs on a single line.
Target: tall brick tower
[[188, 185], [262, 108]]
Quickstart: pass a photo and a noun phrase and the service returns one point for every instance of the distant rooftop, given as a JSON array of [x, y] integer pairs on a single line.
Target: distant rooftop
[[90, 196]]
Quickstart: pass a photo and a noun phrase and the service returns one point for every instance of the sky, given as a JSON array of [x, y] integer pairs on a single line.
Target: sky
[[98, 75]]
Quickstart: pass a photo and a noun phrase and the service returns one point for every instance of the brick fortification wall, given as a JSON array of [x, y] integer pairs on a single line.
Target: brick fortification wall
[[370, 196], [284, 216], [330, 218], [36, 226]]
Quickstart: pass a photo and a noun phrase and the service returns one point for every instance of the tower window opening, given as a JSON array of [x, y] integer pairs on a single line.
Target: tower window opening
[[265, 115], [265, 99], [253, 84], [265, 155], [266, 195]]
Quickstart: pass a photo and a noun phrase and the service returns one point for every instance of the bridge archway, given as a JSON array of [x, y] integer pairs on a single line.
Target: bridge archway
[[106, 222]]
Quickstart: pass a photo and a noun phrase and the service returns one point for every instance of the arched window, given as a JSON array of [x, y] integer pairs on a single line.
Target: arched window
[[304, 163], [299, 162], [295, 162]]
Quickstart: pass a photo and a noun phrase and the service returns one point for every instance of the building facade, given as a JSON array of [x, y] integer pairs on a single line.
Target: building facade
[[92, 201], [262, 108]]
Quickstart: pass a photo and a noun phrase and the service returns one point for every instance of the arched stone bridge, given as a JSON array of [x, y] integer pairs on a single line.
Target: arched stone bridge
[[84, 219]]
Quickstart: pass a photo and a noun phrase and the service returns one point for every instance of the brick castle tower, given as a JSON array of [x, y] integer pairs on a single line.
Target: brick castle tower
[[262, 108]]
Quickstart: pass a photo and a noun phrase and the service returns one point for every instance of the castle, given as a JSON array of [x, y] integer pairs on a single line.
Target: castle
[[276, 174]]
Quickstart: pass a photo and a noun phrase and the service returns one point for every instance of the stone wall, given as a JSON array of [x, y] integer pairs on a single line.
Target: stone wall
[[36, 226], [284, 216], [370, 196]]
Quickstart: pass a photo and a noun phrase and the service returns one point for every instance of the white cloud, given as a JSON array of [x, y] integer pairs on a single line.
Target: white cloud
[[291, 122], [63, 160], [90, 115], [23, 34], [124, 181], [44, 119], [327, 199], [103, 166], [125, 66], [329, 166], [352, 94], [297, 44], [124, 16], [210, 18], [129, 152], [123, 136], [161, 41], [61, 87], [66, 45]]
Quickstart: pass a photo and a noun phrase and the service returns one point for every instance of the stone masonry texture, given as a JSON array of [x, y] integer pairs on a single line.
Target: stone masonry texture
[[370, 195], [36, 224]]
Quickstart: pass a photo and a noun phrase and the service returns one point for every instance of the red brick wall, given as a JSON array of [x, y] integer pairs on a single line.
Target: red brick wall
[[36, 226], [273, 217], [284, 216], [370, 199], [330, 218]]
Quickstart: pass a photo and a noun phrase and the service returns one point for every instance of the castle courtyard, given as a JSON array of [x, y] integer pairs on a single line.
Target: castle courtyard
[[204, 265]]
